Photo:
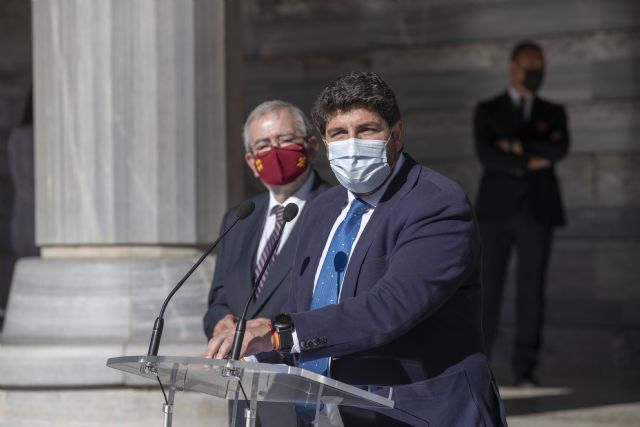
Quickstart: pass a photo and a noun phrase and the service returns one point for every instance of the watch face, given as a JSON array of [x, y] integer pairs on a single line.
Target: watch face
[[282, 320]]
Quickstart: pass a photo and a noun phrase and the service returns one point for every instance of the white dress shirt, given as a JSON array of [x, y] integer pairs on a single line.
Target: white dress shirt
[[300, 198], [528, 102]]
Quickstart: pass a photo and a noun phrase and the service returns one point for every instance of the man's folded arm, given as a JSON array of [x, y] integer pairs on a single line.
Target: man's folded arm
[[486, 144], [553, 145]]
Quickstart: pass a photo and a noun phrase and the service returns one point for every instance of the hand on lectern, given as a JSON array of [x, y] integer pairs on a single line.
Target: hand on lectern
[[257, 339], [227, 323]]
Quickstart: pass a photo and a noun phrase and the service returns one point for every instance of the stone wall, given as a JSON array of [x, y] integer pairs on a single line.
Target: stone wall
[[441, 57]]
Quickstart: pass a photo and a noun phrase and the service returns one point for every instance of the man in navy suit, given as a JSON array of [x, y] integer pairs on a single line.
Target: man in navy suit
[[518, 138], [280, 151], [386, 276]]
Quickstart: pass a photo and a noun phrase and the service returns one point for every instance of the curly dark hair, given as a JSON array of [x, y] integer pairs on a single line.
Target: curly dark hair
[[357, 89]]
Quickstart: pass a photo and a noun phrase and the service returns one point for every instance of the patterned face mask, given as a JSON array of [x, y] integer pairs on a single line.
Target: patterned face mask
[[281, 165]]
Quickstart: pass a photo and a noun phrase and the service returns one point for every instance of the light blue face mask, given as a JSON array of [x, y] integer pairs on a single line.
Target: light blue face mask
[[360, 165]]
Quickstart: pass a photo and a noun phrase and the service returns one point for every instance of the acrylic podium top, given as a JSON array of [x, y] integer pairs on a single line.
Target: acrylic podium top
[[260, 381]]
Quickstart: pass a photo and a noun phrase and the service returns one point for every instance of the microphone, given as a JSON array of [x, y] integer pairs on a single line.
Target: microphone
[[244, 210], [340, 264], [290, 212]]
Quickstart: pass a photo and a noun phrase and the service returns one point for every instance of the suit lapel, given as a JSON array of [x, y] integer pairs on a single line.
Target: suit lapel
[[535, 111], [399, 187], [282, 264], [251, 239], [277, 272], [509, 110]]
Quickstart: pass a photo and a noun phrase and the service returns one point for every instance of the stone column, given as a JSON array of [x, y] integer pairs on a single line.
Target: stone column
[[138, 154]]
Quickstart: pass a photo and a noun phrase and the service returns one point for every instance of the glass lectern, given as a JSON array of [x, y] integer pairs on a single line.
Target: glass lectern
[[233, 380]]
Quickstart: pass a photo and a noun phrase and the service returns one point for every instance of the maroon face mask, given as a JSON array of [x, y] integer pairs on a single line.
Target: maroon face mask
[[281, 165]]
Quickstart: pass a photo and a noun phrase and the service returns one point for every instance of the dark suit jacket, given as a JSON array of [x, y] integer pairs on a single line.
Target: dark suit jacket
[[409, 311], [506, 182], [235, 263]]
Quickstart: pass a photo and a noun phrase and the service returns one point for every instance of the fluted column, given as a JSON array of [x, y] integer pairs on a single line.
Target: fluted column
[[138, 154], [137, 119]]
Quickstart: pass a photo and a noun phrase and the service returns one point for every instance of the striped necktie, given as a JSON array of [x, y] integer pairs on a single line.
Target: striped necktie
[[273, 238]]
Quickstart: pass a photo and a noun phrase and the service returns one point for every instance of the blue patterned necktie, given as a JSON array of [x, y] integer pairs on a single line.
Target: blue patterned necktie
[[331, 275]]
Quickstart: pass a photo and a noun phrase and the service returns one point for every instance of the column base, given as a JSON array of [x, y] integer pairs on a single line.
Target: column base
[[65, 318]]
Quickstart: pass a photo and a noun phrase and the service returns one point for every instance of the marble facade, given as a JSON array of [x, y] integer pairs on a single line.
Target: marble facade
[[137, 156]]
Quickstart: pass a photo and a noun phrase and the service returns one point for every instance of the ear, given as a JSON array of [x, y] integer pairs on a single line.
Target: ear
[[251, 162], [397, 136], [312, 148]]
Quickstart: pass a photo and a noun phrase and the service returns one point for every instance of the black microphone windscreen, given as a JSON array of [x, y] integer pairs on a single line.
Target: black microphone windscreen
[[290, 212], [245, 209], [340, 261]]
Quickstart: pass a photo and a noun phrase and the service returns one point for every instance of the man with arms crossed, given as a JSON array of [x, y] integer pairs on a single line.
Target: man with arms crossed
[[386, 277], [519, 137]]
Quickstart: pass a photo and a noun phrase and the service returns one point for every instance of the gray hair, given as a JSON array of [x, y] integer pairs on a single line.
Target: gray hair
[[301, 122]]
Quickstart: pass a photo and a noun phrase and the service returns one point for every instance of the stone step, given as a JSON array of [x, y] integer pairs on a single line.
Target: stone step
[[74, 363], [107, 407]]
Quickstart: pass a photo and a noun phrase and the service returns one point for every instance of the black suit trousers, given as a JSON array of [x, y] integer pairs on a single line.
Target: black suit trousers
[[532, 242]]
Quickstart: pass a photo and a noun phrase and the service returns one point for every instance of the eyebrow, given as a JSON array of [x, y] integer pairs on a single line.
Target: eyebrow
[[359, 126], [370, 124], [280, 135]]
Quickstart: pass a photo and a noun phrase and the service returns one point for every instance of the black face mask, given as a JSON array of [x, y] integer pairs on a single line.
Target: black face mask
[[533, 79]]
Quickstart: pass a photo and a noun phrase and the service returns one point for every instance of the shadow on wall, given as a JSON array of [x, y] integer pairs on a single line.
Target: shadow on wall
[[18, 214]]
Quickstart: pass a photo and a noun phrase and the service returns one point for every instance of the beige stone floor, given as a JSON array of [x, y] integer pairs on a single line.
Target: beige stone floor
[[576, 399], [567, 399]]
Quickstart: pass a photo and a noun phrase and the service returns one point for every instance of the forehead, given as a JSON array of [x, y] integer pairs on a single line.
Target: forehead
[[353, 117], [272, 123]]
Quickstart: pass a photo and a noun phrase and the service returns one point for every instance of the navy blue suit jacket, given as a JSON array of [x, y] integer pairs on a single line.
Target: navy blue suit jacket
[[235, 263], [410, 307]]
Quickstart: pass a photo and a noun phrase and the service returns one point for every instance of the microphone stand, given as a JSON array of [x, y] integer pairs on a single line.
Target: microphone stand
[[244, 211], [290, 212], [242, 322]]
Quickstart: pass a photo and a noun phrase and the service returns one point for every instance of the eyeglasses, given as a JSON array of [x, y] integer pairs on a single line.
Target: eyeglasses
[[286, 140]]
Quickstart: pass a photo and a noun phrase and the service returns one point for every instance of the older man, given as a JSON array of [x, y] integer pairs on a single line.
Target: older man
[[280, 151], [386, 286]]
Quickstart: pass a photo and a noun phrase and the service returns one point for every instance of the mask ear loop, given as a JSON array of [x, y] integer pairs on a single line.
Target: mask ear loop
[[388, 139]]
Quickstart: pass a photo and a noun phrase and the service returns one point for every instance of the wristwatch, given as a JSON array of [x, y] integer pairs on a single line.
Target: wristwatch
[[283, 326]]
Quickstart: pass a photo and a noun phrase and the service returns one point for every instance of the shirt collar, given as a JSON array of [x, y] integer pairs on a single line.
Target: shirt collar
[[516, 96], [374, 198], [299, 197]]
